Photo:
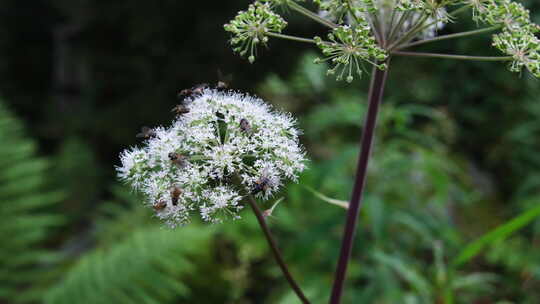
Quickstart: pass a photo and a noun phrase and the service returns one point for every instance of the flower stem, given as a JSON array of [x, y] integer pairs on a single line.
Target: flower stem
[[457, 57], [425, 26], [458, 11], [451, 36], [275, 250], [395, 29], [304, 11], [416, 28], [289, 37], [376, 91]]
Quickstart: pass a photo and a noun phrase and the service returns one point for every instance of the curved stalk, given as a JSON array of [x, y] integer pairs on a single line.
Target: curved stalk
[[457, 57], [275, 250], [376, 91], [451, 36], [304, 11]]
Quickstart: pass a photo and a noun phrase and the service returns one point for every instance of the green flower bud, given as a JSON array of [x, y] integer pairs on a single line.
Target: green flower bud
[[252, 27], [349, 47]]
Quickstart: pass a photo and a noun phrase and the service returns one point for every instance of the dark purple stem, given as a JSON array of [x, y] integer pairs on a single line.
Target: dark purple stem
[[275, 250], [376, 91]]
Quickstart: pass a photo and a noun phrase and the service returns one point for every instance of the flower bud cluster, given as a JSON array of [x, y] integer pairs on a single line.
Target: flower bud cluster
[[337, 9], [408, 5], [511, 15], [366, 30], [349, 47], [517, 38], [282, 3], [345, 53], [334, 9], [524, 47], [226, 146], [250, 28]]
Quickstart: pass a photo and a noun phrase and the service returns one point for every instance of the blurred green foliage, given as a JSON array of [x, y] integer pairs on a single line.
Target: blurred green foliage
[[452, 196], [29, 214]]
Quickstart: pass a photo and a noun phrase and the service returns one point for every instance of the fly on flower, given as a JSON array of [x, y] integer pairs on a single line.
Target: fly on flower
[[245, 127], [180, 109], [195, 90], [159, 205], [224, 81], [178, 159], [175, 194], [263, 183], [146, 133]]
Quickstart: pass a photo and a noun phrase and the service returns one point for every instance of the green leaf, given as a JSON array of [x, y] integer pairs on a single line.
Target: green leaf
[[408, 273], [499, 233]]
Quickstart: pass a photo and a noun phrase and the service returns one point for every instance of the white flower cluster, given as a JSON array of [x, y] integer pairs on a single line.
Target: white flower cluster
[[227, 145]]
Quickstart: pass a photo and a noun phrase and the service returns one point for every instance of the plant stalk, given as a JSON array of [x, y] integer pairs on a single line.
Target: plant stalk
[[409, 35], [304, 11], [425, 26], [289, 37], [451, 36], [376, 91], [451, 56], [275, 250]]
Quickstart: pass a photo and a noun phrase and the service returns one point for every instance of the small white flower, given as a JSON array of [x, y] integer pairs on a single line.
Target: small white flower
[[220, 201], [228, 145]]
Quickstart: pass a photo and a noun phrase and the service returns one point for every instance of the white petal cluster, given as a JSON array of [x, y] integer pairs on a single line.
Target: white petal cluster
[[226, 146]]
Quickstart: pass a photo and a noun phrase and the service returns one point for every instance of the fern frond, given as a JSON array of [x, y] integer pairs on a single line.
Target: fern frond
[[25, 223], [147, 267]]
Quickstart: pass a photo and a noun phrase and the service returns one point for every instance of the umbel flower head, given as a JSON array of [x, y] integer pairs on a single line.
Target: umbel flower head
[[226, 146], [369, 32], [252, 28]]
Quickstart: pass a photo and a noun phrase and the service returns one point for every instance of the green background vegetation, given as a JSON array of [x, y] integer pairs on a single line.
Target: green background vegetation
[[456, 159]]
